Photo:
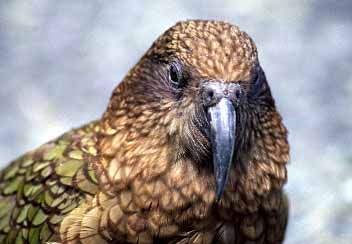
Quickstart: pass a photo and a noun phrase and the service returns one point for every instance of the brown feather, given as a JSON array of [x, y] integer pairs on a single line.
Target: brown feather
[[152, 156]]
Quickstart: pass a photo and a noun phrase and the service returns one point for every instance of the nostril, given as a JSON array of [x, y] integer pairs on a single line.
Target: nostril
[[238, 93], [210, 94]]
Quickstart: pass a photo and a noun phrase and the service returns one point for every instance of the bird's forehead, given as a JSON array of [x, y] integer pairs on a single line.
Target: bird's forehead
[[216, 50]]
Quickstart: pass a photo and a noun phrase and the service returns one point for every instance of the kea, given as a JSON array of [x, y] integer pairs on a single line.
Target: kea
[[191, 149]]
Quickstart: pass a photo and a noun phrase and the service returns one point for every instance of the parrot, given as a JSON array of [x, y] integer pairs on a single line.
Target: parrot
[[190, 150]]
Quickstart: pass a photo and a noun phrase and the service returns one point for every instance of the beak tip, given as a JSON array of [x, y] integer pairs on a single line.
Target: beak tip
[[218, 196], [223, 122], [220, 186]]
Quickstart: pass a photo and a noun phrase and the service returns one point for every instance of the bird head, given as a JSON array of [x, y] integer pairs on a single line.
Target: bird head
[[201, 82]]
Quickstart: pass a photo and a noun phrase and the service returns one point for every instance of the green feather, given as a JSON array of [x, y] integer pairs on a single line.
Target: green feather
[[40, 188]]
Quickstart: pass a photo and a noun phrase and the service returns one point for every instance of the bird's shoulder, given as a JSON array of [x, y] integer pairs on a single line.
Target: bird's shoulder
[[40, 188]]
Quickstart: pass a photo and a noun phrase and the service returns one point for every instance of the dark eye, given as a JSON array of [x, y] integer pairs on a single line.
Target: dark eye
[[259, 86], [257, 82], [177, 78], [256, 77]]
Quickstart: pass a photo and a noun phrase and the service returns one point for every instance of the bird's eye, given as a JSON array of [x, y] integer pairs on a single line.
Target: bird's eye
[[177, 78], [259, 86], [256, 78], [257, 82]]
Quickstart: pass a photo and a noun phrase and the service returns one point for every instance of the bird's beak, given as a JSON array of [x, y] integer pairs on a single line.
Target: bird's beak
[[222, 133]]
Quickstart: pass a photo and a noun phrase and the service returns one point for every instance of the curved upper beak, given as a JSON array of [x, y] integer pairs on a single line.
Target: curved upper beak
[[222, 118], [222, 132]]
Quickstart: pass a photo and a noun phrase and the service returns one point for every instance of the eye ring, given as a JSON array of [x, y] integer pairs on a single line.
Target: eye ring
[[256, 77], [176, 75], [258, 83]]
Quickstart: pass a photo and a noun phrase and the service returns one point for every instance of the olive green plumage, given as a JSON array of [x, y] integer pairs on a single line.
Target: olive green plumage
[[190, 149], [38, 189]]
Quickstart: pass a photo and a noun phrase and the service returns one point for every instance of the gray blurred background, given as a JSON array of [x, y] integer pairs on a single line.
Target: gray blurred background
[[60, 60]]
